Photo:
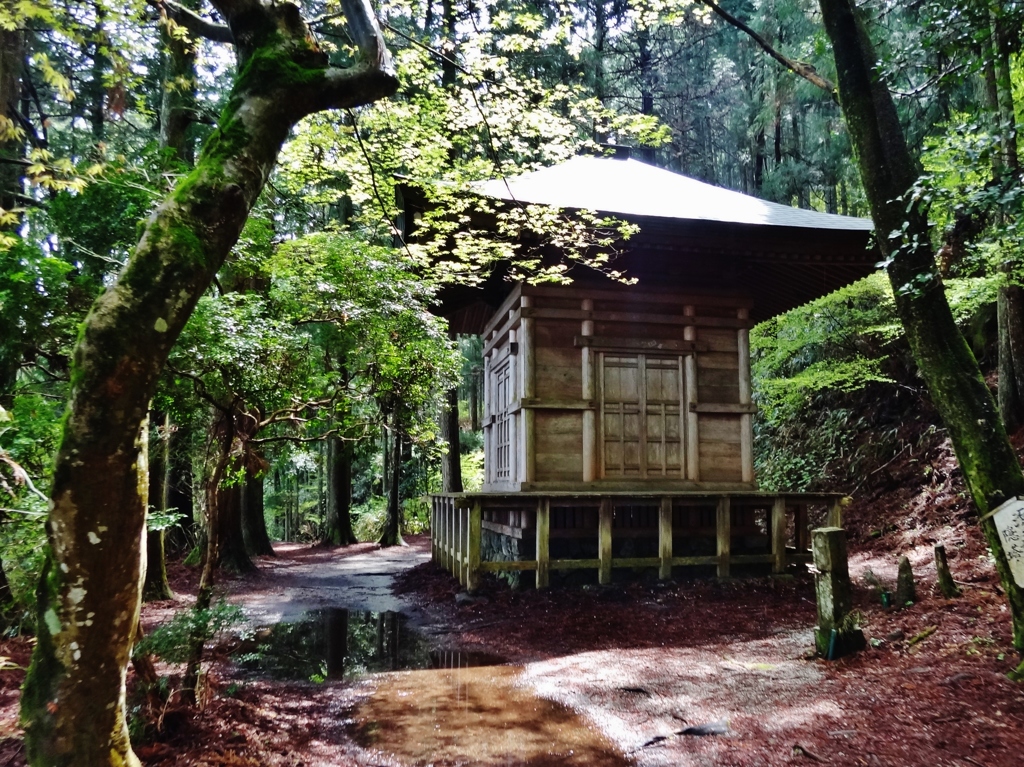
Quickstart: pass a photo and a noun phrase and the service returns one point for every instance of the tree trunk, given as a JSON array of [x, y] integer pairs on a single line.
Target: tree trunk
[[474, 398], [6, 598], [393, 526], [73, 702], [177, 105], [12, 62], [1010, 312], [156, 586], [254, 521], [211, 556], [182, 536], [451, 461], [233, 554], [339, 493], [951, 372]]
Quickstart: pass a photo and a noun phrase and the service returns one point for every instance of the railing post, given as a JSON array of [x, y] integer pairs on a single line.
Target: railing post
[[803, 542], [450, 536], [543, 541], [460, 544], [779, 535], [604, 541], [724, 535], [433, 553], [475, 533], [835, 513], [665, 539]]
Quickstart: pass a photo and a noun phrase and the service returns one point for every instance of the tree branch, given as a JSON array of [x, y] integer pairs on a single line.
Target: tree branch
[[194, 23], [805, 70], [366, 34]]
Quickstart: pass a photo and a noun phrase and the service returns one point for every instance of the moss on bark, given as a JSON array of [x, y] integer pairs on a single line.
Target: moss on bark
[[991, 470], [90, 593]]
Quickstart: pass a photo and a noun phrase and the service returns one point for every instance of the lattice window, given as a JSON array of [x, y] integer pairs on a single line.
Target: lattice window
[[641, 406], [502, 445]]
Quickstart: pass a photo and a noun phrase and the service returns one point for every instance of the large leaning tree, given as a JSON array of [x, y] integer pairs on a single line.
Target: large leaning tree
[[890, 172], [73, 704]]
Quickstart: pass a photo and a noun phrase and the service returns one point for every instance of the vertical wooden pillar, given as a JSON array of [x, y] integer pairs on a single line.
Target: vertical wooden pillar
[[452, 527], [835, 513], [746, 421], [779, 535], [527, 342], [590, 446], [665, 539], [604, 540], [489, 460], [443, 524], [724, 535], [460, 544], [473, 554], [515, 428], [692, 434], [543, 541], [433, 528], [802, 532]]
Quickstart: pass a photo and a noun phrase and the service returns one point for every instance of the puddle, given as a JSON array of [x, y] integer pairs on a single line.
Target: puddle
[[476, 715], [346, 644], [428, 707]]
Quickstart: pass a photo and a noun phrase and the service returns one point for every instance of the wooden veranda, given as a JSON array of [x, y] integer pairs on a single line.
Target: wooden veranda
[[717, 531]]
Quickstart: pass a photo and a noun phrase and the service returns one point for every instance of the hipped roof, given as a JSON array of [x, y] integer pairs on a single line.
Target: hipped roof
[[693, 237], [628, 187]]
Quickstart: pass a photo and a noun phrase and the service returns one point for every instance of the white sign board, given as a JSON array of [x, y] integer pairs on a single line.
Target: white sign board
[[1009, 519]]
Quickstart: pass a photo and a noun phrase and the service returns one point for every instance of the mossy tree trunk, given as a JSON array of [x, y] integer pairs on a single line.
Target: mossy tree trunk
[[888, 171], [1010, 311], [73, 703]]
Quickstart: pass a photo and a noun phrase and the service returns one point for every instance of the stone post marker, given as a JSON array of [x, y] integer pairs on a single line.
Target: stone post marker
[[834, 595]]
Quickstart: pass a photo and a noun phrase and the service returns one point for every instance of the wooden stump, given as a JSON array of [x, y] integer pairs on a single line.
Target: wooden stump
[[834, 595]]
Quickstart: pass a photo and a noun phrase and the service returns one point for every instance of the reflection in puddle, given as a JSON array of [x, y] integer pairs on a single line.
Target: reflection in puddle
[[345, 644], [475, 716], [433, 707]]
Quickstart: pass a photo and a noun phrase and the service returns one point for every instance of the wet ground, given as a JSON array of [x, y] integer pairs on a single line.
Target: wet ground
[[694, 673]]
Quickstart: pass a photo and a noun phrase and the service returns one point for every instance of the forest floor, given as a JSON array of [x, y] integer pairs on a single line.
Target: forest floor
[[614, 675]]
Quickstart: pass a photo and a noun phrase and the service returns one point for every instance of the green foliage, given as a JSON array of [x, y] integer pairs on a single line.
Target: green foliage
[[368, 519], [171, 642], [808, 368], [162, 520]]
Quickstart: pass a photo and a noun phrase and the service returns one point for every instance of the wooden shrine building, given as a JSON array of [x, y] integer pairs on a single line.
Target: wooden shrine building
[[617, 420]]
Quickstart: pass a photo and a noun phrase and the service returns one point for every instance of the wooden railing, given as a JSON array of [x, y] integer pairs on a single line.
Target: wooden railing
[[457, 525]]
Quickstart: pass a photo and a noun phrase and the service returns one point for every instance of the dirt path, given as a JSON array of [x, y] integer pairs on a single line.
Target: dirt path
[[302, 578], [613, 675]]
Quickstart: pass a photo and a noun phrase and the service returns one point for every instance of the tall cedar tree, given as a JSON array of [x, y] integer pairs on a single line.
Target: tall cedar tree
[[955, 382]]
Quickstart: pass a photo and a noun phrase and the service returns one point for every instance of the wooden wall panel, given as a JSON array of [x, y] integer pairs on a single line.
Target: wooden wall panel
[[559, 374], [717, 339], [719, 448], [558, 334], [717, 361], [559, 441]]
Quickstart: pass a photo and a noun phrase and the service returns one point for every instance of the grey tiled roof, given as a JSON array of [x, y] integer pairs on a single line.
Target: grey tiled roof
[[631, 188]]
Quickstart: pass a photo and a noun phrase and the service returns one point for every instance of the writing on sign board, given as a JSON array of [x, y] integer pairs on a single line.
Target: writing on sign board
[[1009, 519]]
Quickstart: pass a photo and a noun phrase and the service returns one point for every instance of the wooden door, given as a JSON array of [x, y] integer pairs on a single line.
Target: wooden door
[[642, 399]]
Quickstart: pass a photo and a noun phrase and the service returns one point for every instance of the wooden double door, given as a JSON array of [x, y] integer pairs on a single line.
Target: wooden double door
[[642, 402]]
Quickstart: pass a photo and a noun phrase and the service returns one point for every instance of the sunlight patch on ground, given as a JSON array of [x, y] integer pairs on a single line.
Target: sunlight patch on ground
[[762, 688]]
